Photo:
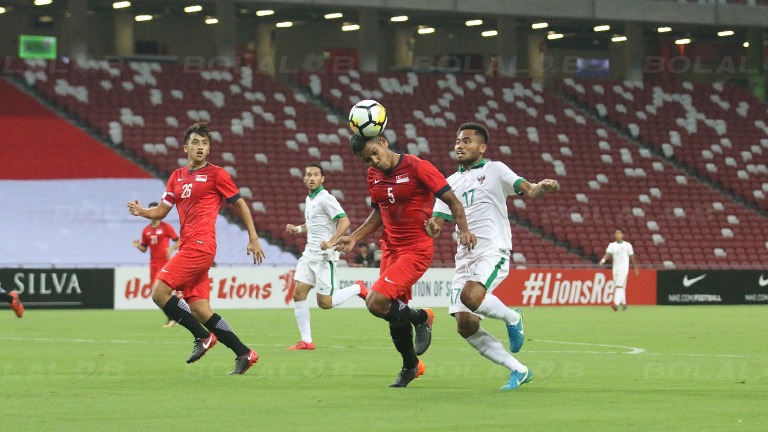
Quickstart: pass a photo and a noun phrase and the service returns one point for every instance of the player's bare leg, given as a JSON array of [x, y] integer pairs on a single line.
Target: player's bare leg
[[475, 297], [219, 327], [178, 310], [468, 326], [301, 311]]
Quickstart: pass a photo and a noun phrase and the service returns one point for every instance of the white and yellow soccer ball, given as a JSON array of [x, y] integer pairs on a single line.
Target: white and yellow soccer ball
[[368, 118]]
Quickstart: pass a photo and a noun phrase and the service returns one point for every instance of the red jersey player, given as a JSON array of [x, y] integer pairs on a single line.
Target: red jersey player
[[402, 188], [155, 238], [197, 191]]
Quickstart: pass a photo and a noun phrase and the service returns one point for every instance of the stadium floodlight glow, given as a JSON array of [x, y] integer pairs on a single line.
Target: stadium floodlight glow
[[683, 41], [745, 44], [265, 12], [43, 2], [333, 15], [193, 9], [211, 20], [121, 5], [473, 23], [539, 26], [140, 18], [489, 33], [664, 29], [45, 19], [3, 10], [425, 30], [553, 36], [284, 24], [350, 27], [399, 18], [618, 38], [602, 28], [725, 33]]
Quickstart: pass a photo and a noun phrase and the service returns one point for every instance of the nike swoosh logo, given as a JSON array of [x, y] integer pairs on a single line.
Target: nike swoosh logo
[[386, 279], [376, 181], [164, 270], [762, 282], [206, 345], [688, 282], [178, 180]]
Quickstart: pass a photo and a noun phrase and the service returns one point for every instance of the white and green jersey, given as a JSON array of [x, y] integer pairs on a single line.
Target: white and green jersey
[[620, 253], [321, 213], [483, 190]]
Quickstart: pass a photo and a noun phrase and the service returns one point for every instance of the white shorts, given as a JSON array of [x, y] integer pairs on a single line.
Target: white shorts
[[620, 280], [488, 268], [319, 273]]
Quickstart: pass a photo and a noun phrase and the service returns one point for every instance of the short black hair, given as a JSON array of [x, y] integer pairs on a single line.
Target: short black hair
[[357, 143], [200, 128], [153, 204], [475, 127], [618, 229], [315, 165]]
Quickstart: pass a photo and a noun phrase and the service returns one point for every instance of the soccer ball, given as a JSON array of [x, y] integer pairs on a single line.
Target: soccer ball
[[368, 118]]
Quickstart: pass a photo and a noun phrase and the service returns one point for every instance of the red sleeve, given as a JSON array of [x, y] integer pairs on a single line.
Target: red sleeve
[[144, 238], [225, 186], [171, 232], [432, 178], [168, 197]]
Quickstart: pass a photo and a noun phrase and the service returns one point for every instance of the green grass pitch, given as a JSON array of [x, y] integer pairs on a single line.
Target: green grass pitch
[[650, 368]]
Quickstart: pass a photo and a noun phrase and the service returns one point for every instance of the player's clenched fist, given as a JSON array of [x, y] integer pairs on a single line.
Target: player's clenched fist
[[468, 240], [549, 185]]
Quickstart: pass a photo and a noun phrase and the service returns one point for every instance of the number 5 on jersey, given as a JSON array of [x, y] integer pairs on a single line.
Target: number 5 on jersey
[[390, 195], [187, 190]]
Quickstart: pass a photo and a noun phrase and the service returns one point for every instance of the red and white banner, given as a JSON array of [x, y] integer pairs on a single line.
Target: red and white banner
[[573, 287], [271, 287]]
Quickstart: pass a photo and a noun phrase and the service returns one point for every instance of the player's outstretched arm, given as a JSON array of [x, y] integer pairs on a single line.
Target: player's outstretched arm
[[347, 243], [538, 190], [433, 226], [254, 247], [466, 238], [158, 212], [342, 225]]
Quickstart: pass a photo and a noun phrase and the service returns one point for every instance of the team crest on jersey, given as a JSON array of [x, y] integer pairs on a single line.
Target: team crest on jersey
[[158, 231], [481, 179], [201, 178], [402, 178]]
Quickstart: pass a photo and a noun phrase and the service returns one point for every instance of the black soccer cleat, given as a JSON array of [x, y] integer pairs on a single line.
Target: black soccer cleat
[[424, 333], [407, 375], [244, 362], [201, 347]]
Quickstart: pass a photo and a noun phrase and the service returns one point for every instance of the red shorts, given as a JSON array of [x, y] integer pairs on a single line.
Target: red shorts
[[401, 268], [187, 272], [154, 269]]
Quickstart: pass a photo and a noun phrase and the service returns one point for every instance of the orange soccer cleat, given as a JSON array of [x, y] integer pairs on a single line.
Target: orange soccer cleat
[[302, 346], [16, 304]]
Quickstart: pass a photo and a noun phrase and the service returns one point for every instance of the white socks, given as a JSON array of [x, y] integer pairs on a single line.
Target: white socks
[[345, 294], [620, 296], [301, 310], [493, 350], [492, 307]]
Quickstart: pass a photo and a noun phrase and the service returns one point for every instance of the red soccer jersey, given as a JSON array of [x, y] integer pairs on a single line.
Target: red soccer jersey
[[404, 195], [197, 195], [156, 239]]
